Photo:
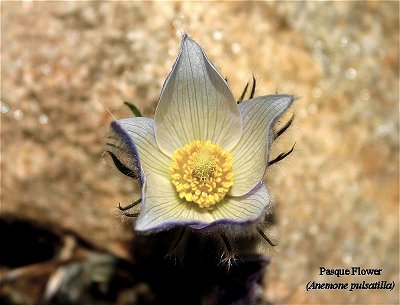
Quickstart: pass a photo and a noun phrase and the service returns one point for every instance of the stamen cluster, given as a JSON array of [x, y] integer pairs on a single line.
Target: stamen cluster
[[202, 172]]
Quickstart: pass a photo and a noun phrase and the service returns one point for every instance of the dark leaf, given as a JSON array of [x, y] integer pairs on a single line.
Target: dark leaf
[[134, 109], [281, 156], [122, 168], [253, 88], [243, 93], [284, 128]]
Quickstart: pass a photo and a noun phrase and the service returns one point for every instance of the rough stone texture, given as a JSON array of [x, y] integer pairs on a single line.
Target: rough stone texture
[[336, 197]]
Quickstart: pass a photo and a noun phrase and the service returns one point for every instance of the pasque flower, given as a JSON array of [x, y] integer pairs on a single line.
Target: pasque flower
[[203, 158]]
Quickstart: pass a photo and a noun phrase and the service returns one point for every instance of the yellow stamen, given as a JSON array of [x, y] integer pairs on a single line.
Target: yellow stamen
[[202, 173]]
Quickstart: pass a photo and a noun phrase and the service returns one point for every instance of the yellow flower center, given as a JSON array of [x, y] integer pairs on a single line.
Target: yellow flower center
[[202, 172]]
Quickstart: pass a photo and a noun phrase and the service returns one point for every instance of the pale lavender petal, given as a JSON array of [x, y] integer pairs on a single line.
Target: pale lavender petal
[[250, 155], [196, 104]]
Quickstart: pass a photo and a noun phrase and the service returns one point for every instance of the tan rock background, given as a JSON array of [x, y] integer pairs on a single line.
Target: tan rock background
[[336, 196]]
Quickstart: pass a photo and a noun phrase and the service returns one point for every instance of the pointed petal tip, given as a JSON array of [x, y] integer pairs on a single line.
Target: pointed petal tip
[[193, 46], [295, 97], [184, 36], [188, 41]]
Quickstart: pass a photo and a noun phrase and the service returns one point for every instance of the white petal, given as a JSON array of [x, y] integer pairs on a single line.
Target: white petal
[[139, 133], [241, 210], [196, 104], [162, 208], [250, 156]]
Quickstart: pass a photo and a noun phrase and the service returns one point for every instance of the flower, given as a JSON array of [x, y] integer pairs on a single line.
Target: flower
[[203, 158]]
